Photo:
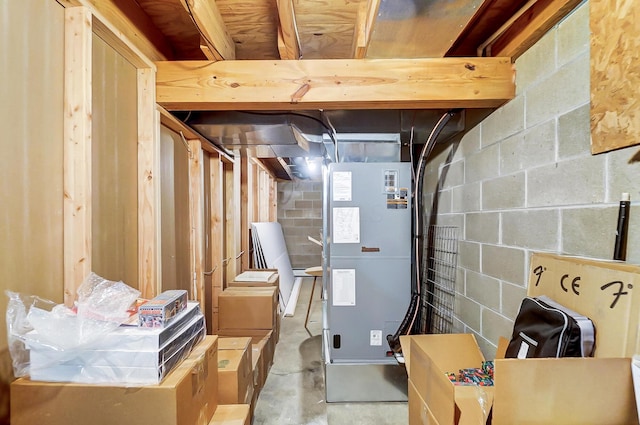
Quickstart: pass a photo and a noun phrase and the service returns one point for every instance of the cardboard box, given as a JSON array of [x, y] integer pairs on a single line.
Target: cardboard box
[[234, 342], [185, 397], [259, 375], [431, 357], [231, 414], [261, 337], [580, 391], [234, 376], [256, 278], [419, 413], [248, 308]]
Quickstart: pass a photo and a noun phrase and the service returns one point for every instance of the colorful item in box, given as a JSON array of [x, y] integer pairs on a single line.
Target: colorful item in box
[[159, 311], [482, 376]]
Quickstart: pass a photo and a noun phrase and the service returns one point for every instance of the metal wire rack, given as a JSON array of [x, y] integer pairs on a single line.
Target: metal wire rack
[[438, 279]]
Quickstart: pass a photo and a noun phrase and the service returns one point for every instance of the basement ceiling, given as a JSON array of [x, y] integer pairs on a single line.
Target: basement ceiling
[[185, 30]]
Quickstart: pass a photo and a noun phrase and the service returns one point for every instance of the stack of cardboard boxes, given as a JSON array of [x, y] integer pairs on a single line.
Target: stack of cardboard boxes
[[217, 384], [249, 323]]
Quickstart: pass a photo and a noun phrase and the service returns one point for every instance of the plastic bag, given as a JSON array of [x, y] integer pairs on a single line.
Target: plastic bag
[[32, 321]]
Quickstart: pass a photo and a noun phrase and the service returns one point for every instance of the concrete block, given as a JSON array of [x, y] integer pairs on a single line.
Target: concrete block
[[460, 282], [303, 204], [575, 181], [468, 312], [504, 192], [469, 144], [531, 148], [565, 90], [482, 227], [469, 255], [537, 63], [466, 198], [483, 289], [504, 263], [314, 196], [495, 325], [573, 34], [456, 220], [623, 174], [512, 296], [504, 122], [482, 165], [443, 202], [574, 133], [487, 347], [533, 229], [589, 231], [452, 174]]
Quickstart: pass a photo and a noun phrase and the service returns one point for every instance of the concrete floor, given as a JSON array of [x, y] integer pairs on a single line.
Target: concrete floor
[[294, 392]]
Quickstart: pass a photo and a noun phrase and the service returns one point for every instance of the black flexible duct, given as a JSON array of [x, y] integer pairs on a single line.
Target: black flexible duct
[[408, 322]]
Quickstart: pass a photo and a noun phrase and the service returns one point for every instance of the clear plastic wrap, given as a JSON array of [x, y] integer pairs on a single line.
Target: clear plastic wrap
[[32, 321]]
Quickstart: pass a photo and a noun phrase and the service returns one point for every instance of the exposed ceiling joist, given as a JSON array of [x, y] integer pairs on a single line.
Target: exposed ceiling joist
[[365, 19], [525, 31], [208, 19], [288, 43], [335, 84]]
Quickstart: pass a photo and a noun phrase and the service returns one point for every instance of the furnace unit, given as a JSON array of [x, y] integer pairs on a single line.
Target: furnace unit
[[367, 278]]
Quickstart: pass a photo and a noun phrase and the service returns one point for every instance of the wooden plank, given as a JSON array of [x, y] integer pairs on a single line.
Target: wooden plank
[[196, 219], [288, 30], [148, 186], [77, 149], [207, 50], [273, 199], [336, 84], [530, 27], [504, 27], [216, 214], [246, 210], [209, 21], [108, 14], [615, 74], [367, 12], [170, 121]]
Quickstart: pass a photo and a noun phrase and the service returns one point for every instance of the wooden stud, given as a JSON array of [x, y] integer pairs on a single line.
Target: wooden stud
[[367, 12], [336, 84], [196, 219], [77, 149], [148, 186]]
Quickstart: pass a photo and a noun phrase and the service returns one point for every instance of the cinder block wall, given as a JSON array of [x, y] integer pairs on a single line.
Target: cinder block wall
[[524, 180], [300, 215]]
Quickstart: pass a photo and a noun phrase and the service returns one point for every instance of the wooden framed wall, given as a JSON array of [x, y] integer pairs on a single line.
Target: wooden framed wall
[[81, 23]]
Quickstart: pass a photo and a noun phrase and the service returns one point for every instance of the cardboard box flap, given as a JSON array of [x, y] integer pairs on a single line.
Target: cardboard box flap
[[474, 404], [600, 290], [405, 344], [584, 391]]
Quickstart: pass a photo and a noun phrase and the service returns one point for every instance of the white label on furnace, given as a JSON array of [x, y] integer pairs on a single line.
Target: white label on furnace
[[344, 287], [341, 186], [346, 225], [375, 337]]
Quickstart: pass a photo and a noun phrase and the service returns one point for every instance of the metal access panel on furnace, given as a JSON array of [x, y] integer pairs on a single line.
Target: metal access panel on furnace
[[368, 274]]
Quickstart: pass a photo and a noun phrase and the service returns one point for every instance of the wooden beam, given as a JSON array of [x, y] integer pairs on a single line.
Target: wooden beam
[[209, 54], [288, 32], [530, 27], [209, 21], [367, 12], [336, 84], [78, 39], [504, 27], [615, 74]]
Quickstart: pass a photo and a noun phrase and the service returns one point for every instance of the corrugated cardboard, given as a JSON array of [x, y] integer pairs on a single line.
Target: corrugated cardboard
[[259, 368], [248, 308], [234, 342], [234, 376], [601, 290], [564, 391], [272, 280], [258, 336], [432, 356], [185, 397], [231, 414], [419, 413]]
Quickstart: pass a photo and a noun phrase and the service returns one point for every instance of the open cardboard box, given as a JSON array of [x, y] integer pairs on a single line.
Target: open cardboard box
[[581, 391], [428, 359]]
